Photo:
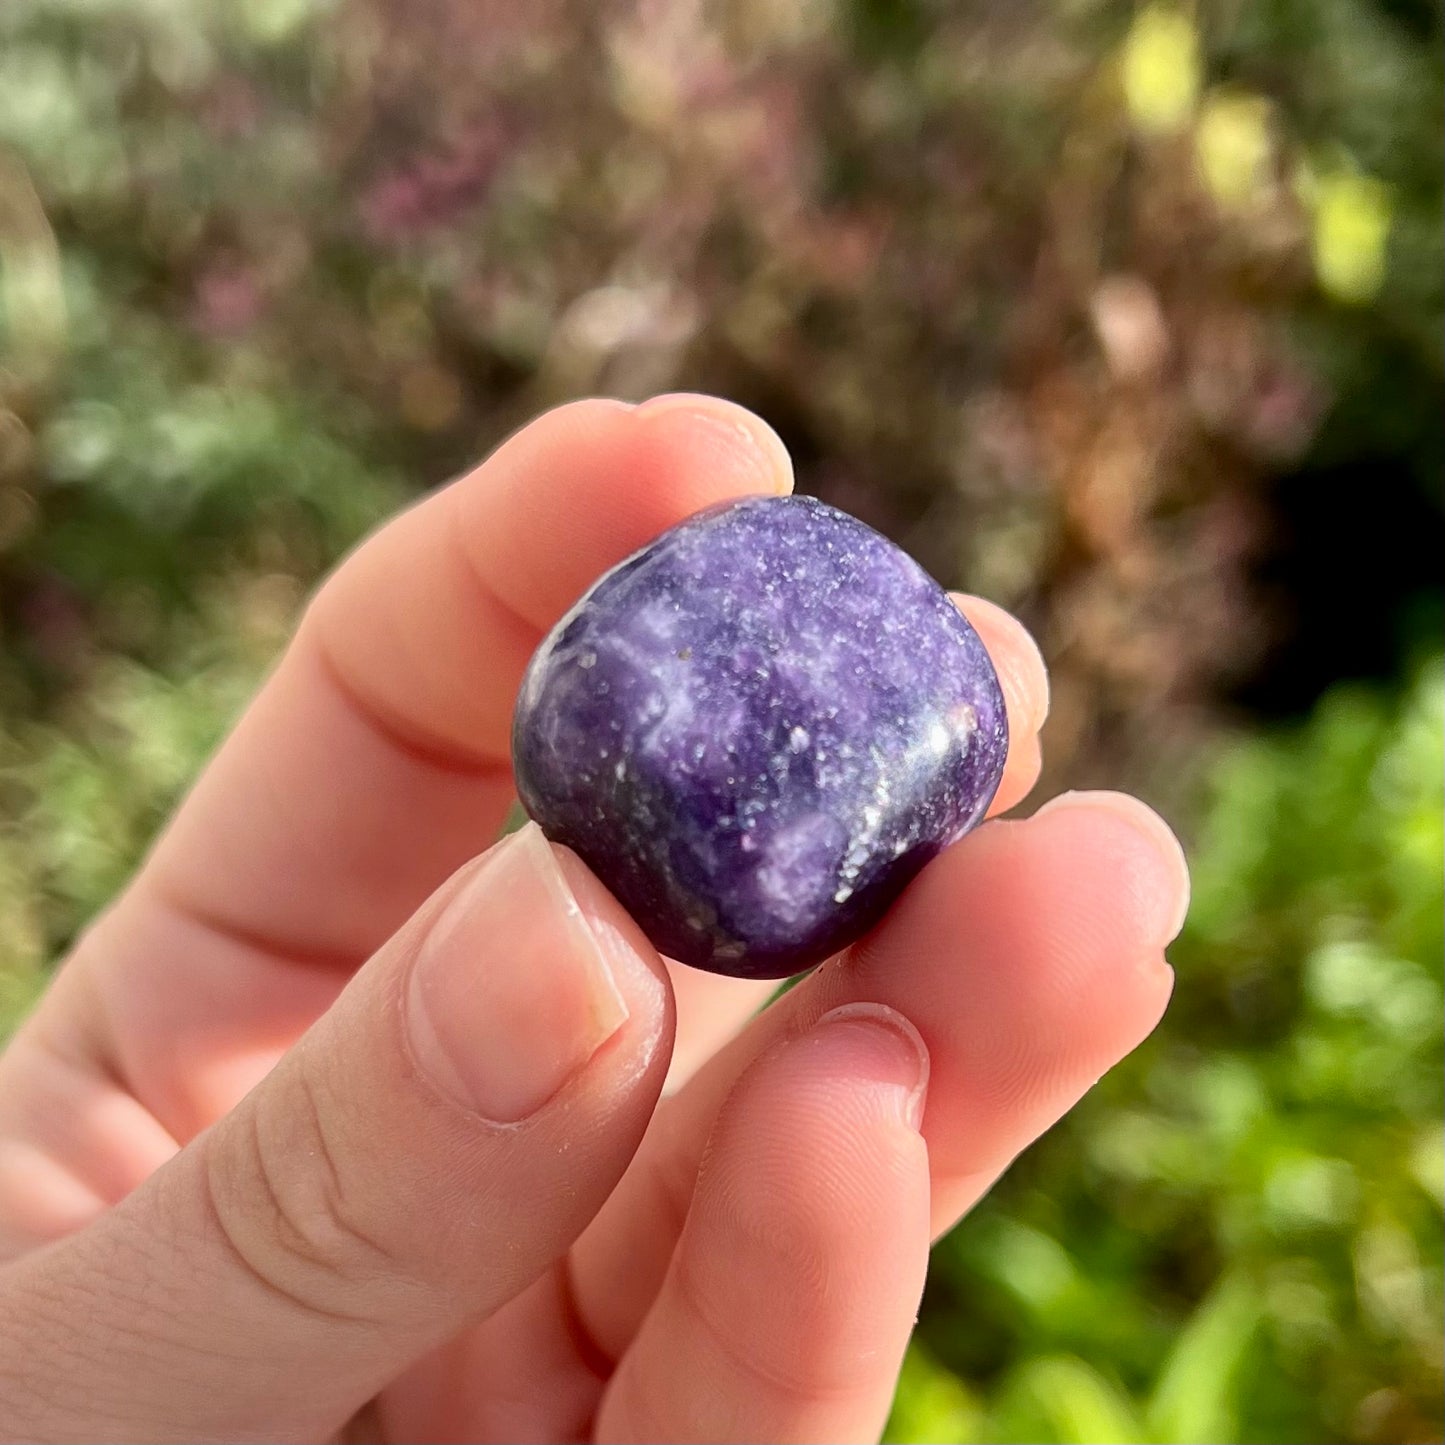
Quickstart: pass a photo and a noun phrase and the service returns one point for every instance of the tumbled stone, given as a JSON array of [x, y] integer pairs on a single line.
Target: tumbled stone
[[757, 730]]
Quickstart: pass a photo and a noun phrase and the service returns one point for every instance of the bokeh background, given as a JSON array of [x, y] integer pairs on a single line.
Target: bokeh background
[[1126, 316]]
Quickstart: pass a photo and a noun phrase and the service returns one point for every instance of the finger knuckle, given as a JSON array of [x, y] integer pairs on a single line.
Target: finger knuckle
[[288, 1204], [803, 1373]]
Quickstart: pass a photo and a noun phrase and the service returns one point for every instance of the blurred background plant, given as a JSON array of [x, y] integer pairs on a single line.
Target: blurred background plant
[[1127, 316]]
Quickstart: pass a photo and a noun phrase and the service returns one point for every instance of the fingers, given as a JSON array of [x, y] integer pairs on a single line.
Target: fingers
[[374, 762], [71, 1144], [1030, 958], [422, 1155], [1067, 918], [1025, 682], [711, 1010], [789, 1301]]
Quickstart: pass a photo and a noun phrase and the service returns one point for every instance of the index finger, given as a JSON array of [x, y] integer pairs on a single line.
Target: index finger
[[375, 761]]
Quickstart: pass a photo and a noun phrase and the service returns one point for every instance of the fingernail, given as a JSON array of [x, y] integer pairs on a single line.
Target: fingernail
[[512, 992], [887, 1050], [739, 434], [1171, 876]]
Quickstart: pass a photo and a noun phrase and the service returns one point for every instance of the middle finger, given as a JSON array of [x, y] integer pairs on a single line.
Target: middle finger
[[1064, 918], [710, 1008]]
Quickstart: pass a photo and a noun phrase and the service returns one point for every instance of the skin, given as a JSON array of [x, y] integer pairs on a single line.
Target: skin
[[327, 1128]]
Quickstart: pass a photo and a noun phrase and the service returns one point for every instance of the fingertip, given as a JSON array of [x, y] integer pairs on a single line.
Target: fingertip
[[575, 992], [587, 484], [1021, 771], [727, 438], [1151, 856], [1016, 657], [637, 964], [1162, 975], [793, 1287], [870, 1044]]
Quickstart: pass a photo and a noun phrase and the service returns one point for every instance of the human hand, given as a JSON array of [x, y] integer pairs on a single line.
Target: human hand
[[325, 1130]]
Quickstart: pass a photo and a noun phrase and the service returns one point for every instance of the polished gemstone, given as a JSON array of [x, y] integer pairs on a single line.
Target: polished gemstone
[[757, 730]]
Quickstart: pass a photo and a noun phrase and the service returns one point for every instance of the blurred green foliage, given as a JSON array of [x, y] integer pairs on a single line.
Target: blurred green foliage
[[1047, 291], [1052, 292], [83, 793], [1237, 1236]]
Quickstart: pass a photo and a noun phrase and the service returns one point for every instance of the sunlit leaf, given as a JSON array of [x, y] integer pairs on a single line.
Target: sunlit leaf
[[1233, 145], [271, 21], [1352, 215], [1072, 1400], [932, 1405], [1193, 1399], [1161, 68], [32, 296], [1427, 1163]]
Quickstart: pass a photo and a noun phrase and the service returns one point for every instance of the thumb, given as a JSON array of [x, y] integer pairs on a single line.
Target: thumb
[[426, 1151]]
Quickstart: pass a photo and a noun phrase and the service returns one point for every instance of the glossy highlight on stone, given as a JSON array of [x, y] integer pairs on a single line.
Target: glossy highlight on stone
[[757, 730]]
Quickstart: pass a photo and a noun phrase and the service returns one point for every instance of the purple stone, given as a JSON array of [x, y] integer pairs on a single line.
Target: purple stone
[[757, 730]]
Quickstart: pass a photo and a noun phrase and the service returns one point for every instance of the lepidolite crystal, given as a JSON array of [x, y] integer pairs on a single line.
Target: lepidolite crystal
[[757, 730]]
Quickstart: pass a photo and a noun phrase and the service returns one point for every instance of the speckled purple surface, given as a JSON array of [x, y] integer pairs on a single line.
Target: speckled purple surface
[[756, 730]]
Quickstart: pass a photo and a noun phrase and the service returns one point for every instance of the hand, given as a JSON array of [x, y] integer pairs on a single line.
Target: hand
[[330, 1126]]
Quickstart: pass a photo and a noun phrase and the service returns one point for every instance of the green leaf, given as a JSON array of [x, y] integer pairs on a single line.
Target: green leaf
[[1070, 1402], [1193, 1395], [1233, 146], [1161, 69], [932, 1405], [1427, 1163], [1352, 215], [32, 299]]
